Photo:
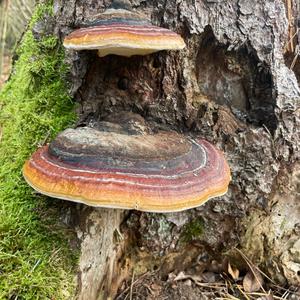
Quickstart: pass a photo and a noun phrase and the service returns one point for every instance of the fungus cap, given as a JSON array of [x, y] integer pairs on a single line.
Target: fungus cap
[[123, 32], [160, 172]]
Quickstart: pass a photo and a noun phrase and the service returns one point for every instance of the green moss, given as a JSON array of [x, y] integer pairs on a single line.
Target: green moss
[[193, 230], [35, 259]]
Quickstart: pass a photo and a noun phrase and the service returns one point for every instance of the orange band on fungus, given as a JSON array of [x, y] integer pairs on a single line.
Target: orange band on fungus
[[161, 172], [125, 33]]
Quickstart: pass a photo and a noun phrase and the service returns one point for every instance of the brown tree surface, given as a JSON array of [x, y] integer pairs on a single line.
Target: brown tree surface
[[232, 86]]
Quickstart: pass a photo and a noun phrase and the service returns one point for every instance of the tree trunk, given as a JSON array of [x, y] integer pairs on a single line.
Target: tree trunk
[[231, 86]]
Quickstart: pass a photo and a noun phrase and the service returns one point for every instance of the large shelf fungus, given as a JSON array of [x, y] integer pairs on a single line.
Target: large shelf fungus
[[123, 32], [129, 168]]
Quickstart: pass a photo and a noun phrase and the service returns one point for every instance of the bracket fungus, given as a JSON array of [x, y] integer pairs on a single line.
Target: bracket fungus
[[121, 31], [113, 166]]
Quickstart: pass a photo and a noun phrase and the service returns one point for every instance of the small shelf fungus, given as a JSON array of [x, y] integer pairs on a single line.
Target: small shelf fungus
[[123, 32], [129, 168]]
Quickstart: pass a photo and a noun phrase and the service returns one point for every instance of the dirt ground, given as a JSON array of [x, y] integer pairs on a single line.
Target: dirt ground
[[6, 70], [221, 286]]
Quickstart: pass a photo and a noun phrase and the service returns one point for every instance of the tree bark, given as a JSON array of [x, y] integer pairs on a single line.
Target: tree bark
[[231, 86]]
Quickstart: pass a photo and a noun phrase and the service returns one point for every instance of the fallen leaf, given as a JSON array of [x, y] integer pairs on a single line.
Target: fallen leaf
[[171, 276], [267, 297], [155, 287], [253, 282], [182, 276], [188, 282], [234, 272]]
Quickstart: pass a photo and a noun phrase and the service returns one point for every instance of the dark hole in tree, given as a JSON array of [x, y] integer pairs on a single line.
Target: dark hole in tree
[[156, 61], [236, 78], [115, 83], [123, 83]]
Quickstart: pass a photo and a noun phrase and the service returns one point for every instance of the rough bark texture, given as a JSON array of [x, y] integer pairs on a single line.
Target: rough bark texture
[[230, 85]]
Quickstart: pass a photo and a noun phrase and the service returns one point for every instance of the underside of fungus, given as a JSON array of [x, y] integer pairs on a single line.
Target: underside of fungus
[[123, 32], [129, 167]]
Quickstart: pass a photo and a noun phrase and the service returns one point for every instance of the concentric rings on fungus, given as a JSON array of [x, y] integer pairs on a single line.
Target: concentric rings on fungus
[[156, 172], [123, 32]]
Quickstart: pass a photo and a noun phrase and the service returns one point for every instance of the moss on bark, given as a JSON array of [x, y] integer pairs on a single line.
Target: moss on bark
[[193, 230], [35, 259]]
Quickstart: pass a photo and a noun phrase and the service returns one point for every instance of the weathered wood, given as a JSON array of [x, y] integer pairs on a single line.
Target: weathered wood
[[97, 233]]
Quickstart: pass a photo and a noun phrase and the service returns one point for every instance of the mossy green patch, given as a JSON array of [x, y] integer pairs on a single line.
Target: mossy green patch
[[193, 230], [35, 259]]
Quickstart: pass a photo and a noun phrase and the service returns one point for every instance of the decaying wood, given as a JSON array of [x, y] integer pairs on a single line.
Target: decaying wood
[[98, 233], [230, 85]]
